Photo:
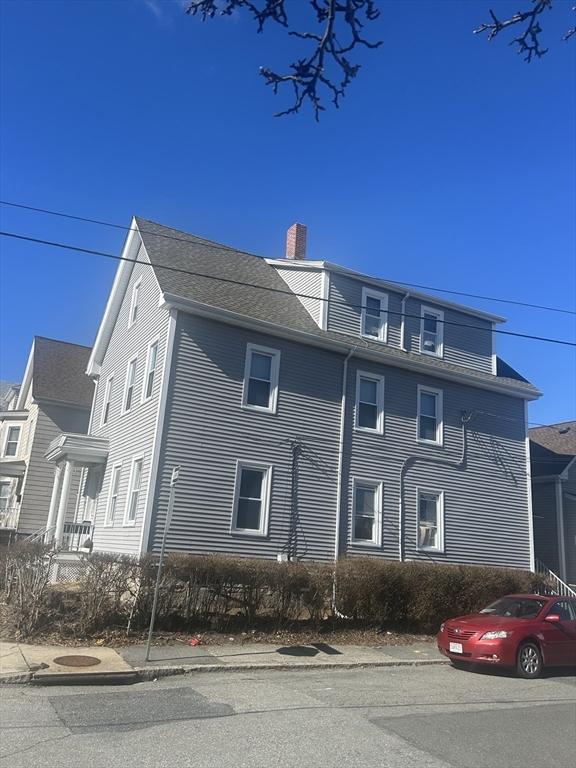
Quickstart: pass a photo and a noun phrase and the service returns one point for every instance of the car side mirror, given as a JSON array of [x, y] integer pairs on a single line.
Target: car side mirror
[[553, 617]]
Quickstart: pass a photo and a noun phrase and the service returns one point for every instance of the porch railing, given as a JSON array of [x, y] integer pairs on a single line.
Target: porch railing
[[9, 517], [75, 535], [558, 586]]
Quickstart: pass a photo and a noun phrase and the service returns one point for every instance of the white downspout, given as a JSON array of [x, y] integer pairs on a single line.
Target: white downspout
[[339, 480], [403, 322], [341, 455]]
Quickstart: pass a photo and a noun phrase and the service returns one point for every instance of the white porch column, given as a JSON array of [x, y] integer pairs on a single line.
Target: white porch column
[[49, 535], [63, 506]]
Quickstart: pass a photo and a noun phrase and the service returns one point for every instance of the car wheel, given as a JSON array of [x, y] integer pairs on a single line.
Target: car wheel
[[529, 663]]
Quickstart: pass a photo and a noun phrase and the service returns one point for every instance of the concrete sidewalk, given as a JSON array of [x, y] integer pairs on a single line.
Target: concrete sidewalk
[[20, 663]]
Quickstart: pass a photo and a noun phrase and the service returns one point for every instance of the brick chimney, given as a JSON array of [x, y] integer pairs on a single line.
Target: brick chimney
[[296, 242]]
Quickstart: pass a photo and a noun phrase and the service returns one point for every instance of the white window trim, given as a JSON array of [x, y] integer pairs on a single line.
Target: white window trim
[[155, 340], [439, 315], [325, 296], [380, 403], [439, 416], [132, 360], [109, 523], [383, 298], [134, 300], [107, 394], [274, 376], [262, 532], [131, 523], [6, 441], [376, 541], [440, 548]]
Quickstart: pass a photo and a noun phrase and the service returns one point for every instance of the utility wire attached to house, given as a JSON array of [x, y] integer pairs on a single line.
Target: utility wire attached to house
[[220, 247], [287, 292]]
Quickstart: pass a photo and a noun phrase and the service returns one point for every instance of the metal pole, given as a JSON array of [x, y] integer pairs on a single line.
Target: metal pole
[[173, 481]]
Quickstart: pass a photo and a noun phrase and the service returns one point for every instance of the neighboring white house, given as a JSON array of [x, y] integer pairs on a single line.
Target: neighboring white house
[[55, 395], [314, 411]]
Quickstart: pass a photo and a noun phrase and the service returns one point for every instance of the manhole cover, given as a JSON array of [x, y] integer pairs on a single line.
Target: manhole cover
[[77, 661]]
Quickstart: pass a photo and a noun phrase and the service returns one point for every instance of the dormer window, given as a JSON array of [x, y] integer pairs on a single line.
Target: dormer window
[[134, 304], [374, 314], [432, 332]]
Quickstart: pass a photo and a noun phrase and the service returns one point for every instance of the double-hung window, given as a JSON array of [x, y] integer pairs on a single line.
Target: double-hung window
[[369, 402], [151, 362], [130, 384], [432, 332], [374, 314], [133, 492], [430, 428], [367, 512], [252, 499], [430, 520], [113, 494], [107, 400], [135, 303], [12, 439], [261, 378]]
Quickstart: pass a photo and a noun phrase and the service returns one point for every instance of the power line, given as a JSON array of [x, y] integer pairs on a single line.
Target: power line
[[211, 244], [231, 281]]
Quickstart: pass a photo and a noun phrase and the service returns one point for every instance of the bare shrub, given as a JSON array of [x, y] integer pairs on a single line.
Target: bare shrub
[[27, 575]]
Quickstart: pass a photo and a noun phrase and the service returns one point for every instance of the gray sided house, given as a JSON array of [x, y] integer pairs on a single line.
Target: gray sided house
[[55, 396], [314, 412], [553, 455]]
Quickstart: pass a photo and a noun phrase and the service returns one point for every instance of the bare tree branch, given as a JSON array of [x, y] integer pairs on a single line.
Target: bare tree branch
[[327, 69], [528, 42]]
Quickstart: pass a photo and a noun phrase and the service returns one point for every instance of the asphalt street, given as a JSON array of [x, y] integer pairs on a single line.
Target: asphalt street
[[414, 717]]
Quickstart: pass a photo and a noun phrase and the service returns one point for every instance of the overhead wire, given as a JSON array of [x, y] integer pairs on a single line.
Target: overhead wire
[[218, 246], [288, 292]]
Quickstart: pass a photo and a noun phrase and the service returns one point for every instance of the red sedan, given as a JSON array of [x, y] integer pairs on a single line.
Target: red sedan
[[527, 632]]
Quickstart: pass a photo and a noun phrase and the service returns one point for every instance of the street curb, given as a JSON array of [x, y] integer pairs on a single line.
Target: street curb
[[18, 679], [147, 674], [154, 673]]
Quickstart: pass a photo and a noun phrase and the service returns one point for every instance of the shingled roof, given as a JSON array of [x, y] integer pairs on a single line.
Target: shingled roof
[[552, 448], [58, 372], [247, 285]]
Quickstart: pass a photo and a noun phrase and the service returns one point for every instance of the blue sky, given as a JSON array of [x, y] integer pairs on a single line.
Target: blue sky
[[451, 162]]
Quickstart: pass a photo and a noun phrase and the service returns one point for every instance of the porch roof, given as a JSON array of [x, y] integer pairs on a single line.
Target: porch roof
[[81, 449], [10, 467]]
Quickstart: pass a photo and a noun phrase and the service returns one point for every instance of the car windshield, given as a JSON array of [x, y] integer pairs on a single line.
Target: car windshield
[[516, 607]]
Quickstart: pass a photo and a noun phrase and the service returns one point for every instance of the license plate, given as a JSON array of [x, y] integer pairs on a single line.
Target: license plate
[[456, 648]]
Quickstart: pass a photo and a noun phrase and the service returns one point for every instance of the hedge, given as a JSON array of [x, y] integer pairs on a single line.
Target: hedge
[[222, 592]]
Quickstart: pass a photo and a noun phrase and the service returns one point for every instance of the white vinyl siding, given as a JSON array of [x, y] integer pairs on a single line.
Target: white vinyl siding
[[432, 332], [12, 439], [369, 403], [130, 384], [151, 363], [260, 392], [112, 506], [135, 303], [107, 400], [430, 534], [251, 499], [367, 512], [374, 314], [430, 419], [134, 487]]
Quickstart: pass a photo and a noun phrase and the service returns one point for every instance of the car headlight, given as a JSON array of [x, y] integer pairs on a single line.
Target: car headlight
[[441, 627], [497, 635]]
